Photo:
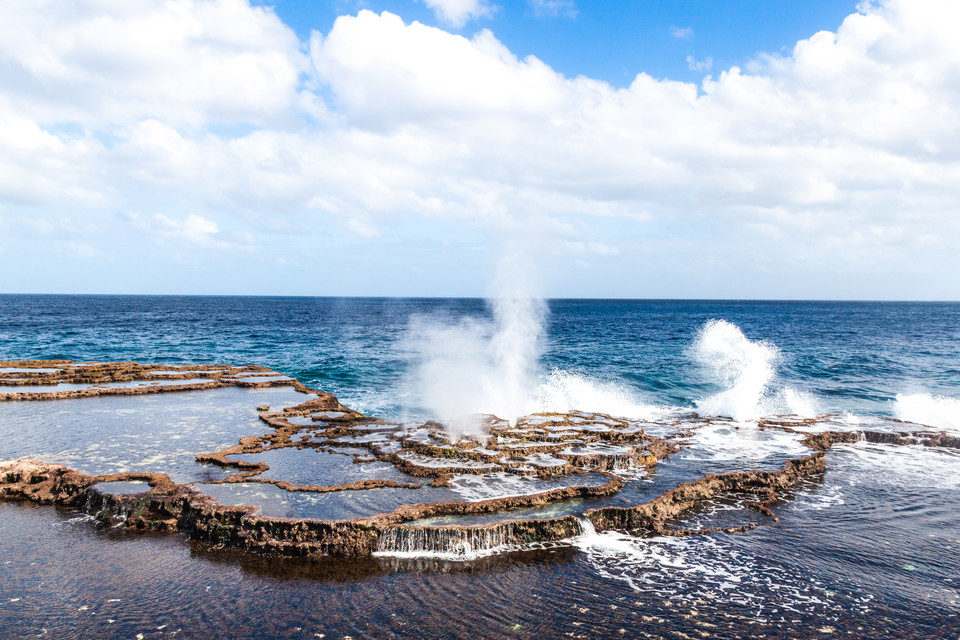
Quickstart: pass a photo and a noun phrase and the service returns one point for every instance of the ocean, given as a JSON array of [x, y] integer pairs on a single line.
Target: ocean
[[847, 356], [872, 549]]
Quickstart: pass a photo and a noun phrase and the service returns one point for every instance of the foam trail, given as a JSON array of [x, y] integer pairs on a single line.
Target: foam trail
[[927, 409]]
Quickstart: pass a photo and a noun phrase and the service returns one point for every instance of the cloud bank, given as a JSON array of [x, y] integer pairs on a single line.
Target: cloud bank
[[839, 158]]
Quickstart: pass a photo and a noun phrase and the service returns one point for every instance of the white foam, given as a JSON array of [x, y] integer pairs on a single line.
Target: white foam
[[474, 488], [923, 408], [901, 467], [819, 499], [743, 367], [564, 392], [624, 557], [746, 371], [741, 442], [697, 567], [851, 422]]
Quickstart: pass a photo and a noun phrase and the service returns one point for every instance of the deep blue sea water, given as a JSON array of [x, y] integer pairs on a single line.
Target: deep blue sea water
[[844, 356], [869, 550]]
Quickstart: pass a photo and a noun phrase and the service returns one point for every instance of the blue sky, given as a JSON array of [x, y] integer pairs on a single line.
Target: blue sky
[[613, 41], [642, 150]]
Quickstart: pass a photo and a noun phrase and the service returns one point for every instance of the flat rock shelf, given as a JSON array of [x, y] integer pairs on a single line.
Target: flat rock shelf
[[280, 468]]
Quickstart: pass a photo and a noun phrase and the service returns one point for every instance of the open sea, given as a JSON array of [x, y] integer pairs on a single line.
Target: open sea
[[871, 550]]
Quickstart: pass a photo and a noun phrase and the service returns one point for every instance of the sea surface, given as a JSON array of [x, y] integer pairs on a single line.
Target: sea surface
[[872, 550], [848, 356]]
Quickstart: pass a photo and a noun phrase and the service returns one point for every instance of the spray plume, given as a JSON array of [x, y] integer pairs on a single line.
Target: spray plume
[[475, 366], [746, 369]]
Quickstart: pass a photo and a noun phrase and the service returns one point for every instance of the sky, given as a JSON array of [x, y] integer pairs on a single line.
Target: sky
[[740, 149]]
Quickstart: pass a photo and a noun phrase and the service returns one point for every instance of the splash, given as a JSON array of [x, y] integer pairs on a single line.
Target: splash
[[563, 392], [746, 370], [800, 403], [927, 409], [471, 367], [742, 366], [474, 366]]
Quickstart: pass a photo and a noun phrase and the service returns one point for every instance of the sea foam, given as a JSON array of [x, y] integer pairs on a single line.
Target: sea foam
[[927, 409], [746, 371]]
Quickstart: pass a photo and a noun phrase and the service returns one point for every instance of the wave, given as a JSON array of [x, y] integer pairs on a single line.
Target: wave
[[746, 370], [927, 409], [563, 391]]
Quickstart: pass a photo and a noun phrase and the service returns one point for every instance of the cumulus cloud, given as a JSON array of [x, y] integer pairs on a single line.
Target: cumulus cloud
[[844, 152], [457, 13], [682, 33], [385, 72], [105, 63]]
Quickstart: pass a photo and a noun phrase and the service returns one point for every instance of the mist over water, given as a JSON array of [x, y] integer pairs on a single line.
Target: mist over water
[[476, 366], [565, 391]]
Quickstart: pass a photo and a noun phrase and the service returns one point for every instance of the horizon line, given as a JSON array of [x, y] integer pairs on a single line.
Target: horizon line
[[429, 297]]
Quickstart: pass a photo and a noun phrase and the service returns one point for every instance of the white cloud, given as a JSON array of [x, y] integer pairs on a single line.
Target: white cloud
[[109, 62], [193, 231], [576, 248], [554, 8], [83, 250], [39, 166], [699, 65], [457, 13], [845, 152], [682, 33]]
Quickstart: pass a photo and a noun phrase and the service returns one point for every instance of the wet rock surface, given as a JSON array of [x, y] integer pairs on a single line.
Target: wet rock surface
[[515, 463], [61, 379]]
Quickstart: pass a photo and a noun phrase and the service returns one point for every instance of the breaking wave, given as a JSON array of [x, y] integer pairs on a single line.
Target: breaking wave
[[746, 371], [934, 411]]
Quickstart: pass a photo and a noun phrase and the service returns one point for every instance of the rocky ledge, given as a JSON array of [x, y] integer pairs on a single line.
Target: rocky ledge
[[542, 447]]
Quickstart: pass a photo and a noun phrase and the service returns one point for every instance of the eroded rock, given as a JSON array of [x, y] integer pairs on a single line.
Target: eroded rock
[[543, 445]]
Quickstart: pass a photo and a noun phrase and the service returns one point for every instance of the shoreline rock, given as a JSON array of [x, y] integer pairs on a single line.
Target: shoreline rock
[[586, 443]]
